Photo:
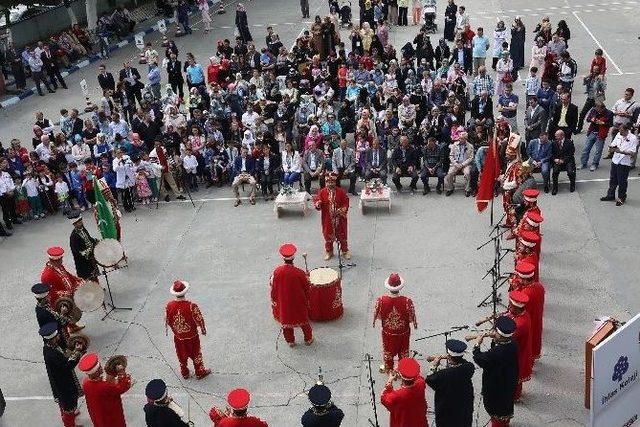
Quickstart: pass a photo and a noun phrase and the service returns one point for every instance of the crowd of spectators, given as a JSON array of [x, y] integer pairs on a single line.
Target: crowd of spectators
[[261, 117]]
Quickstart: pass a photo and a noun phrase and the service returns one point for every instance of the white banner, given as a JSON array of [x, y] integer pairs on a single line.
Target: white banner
[[139, 41], [162, 26], [84, 87], [615, 385]]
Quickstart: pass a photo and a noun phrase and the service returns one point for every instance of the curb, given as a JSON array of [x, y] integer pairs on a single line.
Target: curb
[[94, 58]]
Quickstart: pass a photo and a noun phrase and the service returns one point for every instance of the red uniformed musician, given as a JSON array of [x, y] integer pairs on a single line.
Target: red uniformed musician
[[184, 319], [522, 336], [333, 203], [526, 251], [407, 405], [236, 414], [290, 297], [535, 291], [103, 397], [396, 313], [61, 282], [510, 181]]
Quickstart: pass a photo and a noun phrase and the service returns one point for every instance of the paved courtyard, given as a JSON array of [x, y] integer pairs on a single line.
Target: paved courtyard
[[589, 265]]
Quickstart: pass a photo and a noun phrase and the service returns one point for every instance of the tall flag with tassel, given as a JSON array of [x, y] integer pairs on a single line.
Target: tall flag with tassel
[[104, 216], [488, 176]]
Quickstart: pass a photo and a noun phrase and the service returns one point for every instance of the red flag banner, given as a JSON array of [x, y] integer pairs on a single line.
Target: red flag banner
[[488, 176]]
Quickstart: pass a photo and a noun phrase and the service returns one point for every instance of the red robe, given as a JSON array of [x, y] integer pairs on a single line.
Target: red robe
[[104, 402], [290, 295], [184, 318], [535, 307], [63, 283], [407, 406], [331, 204], [396, 314], [525, 254], [221, 419], [525, 226], [522, 336], [511, 174]]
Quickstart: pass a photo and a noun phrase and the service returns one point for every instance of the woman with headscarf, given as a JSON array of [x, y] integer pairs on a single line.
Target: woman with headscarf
[[366, 34], [499, 37], [543, 29], [538, 55], [517, 44], [248, 141], [313, 139], [504, 68], [450, 20], [242, 24], [316, 35], [203, 6]]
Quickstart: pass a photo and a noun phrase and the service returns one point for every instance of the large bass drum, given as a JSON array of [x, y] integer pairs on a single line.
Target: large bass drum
[[325, 294], [108, 253], [89, 296]]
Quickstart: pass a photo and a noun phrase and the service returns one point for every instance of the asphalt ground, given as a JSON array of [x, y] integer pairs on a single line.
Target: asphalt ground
[[589, 265]]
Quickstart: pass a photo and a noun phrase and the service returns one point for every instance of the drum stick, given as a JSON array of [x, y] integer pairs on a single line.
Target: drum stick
[[306, 267]]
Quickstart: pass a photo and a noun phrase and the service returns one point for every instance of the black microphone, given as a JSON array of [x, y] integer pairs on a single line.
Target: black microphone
[[460, 327]]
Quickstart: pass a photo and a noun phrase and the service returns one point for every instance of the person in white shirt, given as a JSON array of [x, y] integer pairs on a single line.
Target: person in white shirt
[[44, 148], [118, 126], [31, 184], [624, 147], [190, 164], [125, 178], [80, 151], [623, 110], [249, 118], [62, 191]]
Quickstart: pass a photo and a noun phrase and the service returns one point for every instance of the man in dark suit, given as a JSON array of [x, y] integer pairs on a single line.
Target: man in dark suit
[[562, 157], [343, 162], [132, 85], [267, 166], [313, 167], [174, 75], [105, 79], [376, 162], [482, 110], [243, 170], [535, 120], [51, 67], [539, 153], [432, 161], [565, 116], [405, 163], [462, 55]]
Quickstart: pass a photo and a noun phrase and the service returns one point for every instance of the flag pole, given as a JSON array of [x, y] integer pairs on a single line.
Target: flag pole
[[495, 151]]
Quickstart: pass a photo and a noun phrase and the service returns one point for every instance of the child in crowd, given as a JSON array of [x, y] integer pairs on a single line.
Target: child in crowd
[[76, 185], [62, 191], [31, 185], [190, 164], [600, 61], [532, 83], [154, 171], [142, 186], [23, 210]]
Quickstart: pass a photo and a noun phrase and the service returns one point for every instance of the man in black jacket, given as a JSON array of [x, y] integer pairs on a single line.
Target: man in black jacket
[[562, 158], [565, 116], [405, 163], [51, 67], [82, 245], [462, 55], [132, 85], [61, 371], [482, 110], [323, 413], [499, 371], [267, 166], [174, 75], [453, 387], [161, 410], [105, 79]]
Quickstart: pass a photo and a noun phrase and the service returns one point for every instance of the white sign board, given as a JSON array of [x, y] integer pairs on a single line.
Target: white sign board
[[84, 87], [139, 41], [615, 385], [162, 26]]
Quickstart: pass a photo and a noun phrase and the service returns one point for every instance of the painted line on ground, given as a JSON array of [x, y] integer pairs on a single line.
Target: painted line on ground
[[575, 14]]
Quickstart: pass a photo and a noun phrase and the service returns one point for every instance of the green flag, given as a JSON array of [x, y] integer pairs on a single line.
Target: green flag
[[106, 224]]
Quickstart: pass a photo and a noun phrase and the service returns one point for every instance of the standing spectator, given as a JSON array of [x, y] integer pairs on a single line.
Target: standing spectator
[[562, 155], [504, 70], [105, 79], [242, 24], [535, 120], [417, 12], [132, 85], [122, 166], [174, 75], [462, 20], [462, 56], [195, 74], [599, 61], [568, 70], [565, 116], [508, 106], [154, 79], [36, 65], [595, 86], [203, 5], [624, 147], [563, 32], [403, 10], [499, 37], [182, 12], [538, 55], [600, 121], [51, 67], [7, 197], [304, 8], [532, 84], [479, 48], [623, 111], [516, 47], [450, 15]]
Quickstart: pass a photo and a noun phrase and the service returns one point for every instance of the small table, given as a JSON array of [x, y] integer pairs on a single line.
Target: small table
[[374, 197], [298, 198]]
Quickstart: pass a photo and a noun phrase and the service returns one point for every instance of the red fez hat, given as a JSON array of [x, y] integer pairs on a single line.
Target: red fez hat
[[529, 238], [238, 399], [89, 364], [518, 298], [530, 194], [55, 252], [525, 270], [408, 368], [394, 282], [534, 219], [179, 288], [288, 250]]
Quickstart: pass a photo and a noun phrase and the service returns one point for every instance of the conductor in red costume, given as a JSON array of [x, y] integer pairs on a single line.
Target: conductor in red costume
[[61, 282], [333, 203], [184, 318], [407, 405], [396, 312], [236, 414], [103, 396], [290, 297]]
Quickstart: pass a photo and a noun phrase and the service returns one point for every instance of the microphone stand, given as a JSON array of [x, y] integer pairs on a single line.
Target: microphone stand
[[373, 393], [445, 333]]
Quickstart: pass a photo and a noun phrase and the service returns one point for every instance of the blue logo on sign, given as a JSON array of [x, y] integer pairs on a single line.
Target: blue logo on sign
[[620, 369]]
